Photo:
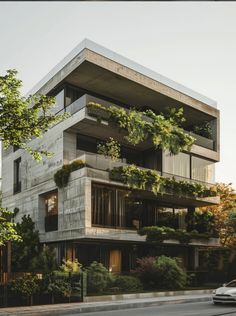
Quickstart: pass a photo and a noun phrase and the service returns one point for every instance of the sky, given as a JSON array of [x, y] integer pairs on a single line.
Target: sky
[[193, 43]]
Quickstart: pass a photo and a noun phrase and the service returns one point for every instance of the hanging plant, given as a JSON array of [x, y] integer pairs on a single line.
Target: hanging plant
[[204, 129], [165, 132], [151, 180], [61, 177], [110, 148]]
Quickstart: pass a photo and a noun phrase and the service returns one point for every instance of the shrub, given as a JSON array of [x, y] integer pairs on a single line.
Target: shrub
[[71, 266], [98, 278], [61, 177], [172, 276], [60, 287], [25, 286], [147, 272], [127, 283], [110, 148], [160, 273]]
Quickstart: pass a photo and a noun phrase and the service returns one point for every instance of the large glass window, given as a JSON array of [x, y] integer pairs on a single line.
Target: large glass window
[[17, 175], [59, 102], [115, 207], [72, 94], [203, 170], [176, 164], [108, 206], [87, 143]]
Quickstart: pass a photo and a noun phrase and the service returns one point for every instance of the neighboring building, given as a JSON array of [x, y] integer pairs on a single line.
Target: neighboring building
[[93, 217]]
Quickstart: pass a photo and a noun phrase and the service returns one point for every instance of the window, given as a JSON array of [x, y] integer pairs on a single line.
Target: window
[[203, 170], [176, 164], [51, 211], [109, 206], [72, 94], [17, 176], [87, 143], [115, 207]]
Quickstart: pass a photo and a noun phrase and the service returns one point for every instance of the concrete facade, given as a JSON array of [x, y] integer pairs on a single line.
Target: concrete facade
[[90, 69]]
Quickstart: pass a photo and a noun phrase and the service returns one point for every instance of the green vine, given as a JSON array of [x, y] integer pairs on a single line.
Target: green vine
[[151, 180], [165, 132], [159, 234], [110, 148], [61, 177]]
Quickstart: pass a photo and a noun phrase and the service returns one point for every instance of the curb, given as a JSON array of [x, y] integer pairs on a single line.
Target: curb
[[119, 297], [107, 306]]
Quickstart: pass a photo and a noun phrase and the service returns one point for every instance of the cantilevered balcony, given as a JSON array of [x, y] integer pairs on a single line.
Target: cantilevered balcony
[[98, 170], [92, 114]]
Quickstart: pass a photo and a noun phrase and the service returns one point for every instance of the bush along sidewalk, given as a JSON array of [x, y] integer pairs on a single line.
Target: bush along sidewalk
[[70, 282]]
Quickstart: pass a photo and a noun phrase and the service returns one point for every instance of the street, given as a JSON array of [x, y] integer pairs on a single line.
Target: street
[[189, 309]]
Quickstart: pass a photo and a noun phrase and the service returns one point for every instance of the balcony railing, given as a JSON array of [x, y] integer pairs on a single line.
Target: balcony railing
[[100, 163], [203, 141]]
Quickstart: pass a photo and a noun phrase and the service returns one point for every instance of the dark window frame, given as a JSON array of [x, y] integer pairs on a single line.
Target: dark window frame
[[17, 176]]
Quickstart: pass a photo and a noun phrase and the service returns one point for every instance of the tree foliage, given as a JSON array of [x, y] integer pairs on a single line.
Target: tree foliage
[[23, 118], [110, 148], [45, 262], [8, 230], [224, 214], [24, 252]]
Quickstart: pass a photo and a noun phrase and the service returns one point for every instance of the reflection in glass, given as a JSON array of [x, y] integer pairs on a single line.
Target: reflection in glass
[[203, 170], [176, 164]]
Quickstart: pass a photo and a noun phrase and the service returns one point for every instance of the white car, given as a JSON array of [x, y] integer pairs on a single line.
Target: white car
[[225, 294]]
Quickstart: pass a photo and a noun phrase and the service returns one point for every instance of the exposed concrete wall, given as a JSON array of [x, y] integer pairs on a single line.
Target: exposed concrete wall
[[148, 82]]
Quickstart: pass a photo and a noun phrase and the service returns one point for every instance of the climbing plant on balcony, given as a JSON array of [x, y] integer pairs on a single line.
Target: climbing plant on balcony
[[61, 177], [151, 180], [165, 132], [110, 148]]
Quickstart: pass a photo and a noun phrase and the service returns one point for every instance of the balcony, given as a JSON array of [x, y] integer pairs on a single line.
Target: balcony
[[93, 114], [99, 167], [203, 141]]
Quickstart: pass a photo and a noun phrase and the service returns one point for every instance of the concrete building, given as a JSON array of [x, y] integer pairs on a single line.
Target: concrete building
[[95, 217]]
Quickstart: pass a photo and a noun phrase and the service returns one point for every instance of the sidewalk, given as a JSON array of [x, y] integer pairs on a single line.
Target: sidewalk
[[75, 308]]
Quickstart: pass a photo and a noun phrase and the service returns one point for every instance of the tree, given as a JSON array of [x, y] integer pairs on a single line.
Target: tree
[[7, 227], [21, 120], [224, 214], [45, 262], [24, 252]]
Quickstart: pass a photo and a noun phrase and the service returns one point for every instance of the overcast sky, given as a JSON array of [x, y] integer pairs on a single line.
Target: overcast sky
[[191, 43]]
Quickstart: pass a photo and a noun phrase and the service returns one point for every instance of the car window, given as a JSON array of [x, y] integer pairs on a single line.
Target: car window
[[231, 284]]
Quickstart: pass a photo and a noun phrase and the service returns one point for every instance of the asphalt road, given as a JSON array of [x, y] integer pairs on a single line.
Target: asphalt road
[[188, 309]]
